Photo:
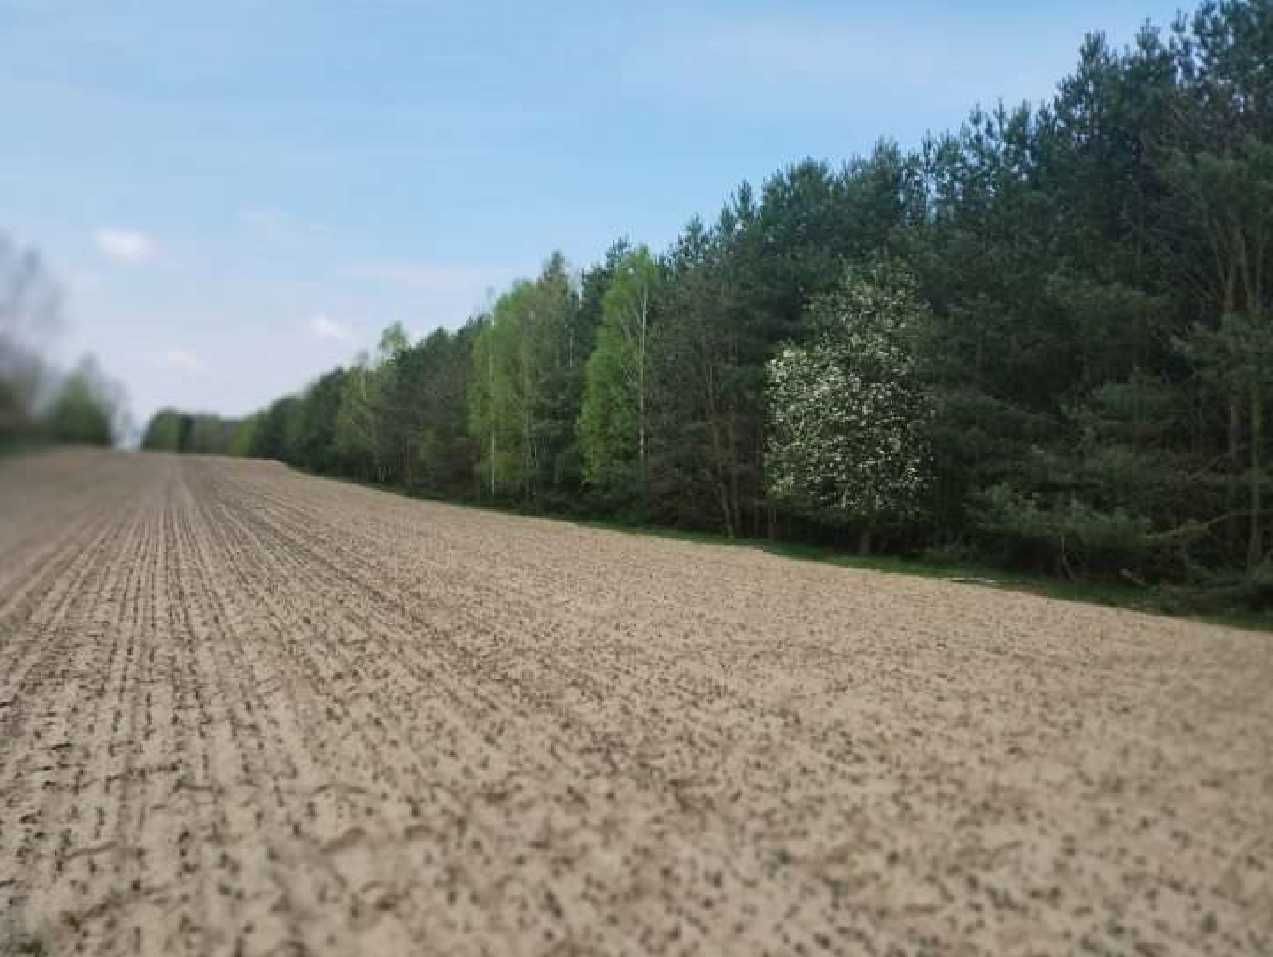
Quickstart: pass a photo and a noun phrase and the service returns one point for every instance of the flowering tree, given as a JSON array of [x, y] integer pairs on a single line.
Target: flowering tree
[[847, 410]]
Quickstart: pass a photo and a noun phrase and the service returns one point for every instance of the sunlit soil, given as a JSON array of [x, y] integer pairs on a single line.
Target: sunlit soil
[[243, 710]]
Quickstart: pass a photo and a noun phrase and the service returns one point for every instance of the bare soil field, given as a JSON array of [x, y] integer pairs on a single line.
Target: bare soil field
[[246, 711]]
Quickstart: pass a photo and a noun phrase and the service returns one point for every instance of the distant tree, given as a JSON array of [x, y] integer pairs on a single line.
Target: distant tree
[[163, 432], [433, 389], [241, 442], [315, 438], [500, 410], [355, 433], [706, 364], [525, 386], [84, 409], [614, 420], [170, 430], [30, 312], [270, 436]]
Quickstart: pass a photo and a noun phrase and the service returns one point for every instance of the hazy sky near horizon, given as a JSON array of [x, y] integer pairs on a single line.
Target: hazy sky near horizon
[[238, 196]]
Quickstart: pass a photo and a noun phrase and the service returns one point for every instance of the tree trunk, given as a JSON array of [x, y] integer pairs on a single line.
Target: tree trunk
[[1255, 543], [725, 510], [864, 542], [645, 478], [1235, 469], [644, 469], [528, 457]]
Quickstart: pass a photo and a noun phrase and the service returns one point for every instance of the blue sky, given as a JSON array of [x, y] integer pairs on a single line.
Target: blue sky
[[240, 195]]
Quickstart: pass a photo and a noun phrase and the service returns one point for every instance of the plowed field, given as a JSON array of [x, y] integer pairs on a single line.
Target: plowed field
[[247, 711]]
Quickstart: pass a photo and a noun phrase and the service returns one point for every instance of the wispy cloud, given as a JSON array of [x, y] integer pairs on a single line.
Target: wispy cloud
[[703, 57], [792, 61], [445, 292], [278, 226], [128, 246], [183, 360], [419, 275], [324, 327]]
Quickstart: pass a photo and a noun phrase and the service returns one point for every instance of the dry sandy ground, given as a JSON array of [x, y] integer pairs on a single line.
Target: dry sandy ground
[[246, 711]]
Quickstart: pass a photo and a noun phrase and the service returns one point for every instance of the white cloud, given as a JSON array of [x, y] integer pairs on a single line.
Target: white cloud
[[125, 245], [325, 327], [183, 360]]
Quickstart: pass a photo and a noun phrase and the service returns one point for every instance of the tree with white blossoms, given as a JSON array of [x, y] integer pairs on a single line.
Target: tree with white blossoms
[[847, 409]]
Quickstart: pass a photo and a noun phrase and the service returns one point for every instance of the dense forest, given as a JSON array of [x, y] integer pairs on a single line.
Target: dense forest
[[40, 404], [1044, 340]]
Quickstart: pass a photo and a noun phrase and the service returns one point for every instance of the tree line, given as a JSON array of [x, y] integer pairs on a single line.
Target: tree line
[[1041, 340], [39, 403]]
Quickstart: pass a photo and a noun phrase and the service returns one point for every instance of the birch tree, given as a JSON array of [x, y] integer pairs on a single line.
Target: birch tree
[[613, 422]]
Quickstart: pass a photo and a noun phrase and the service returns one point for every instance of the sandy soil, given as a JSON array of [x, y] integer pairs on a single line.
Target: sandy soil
[[246, 711]]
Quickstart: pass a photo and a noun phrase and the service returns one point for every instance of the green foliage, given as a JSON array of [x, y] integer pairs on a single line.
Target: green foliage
[[614, 416], [274, 428], [1065, 537], [83, 413], [35, 407], [525, 386], [1073, 377], [355, 430], [241, 442], [163, 432], [170, 430], [608, 420], [313, 440]]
